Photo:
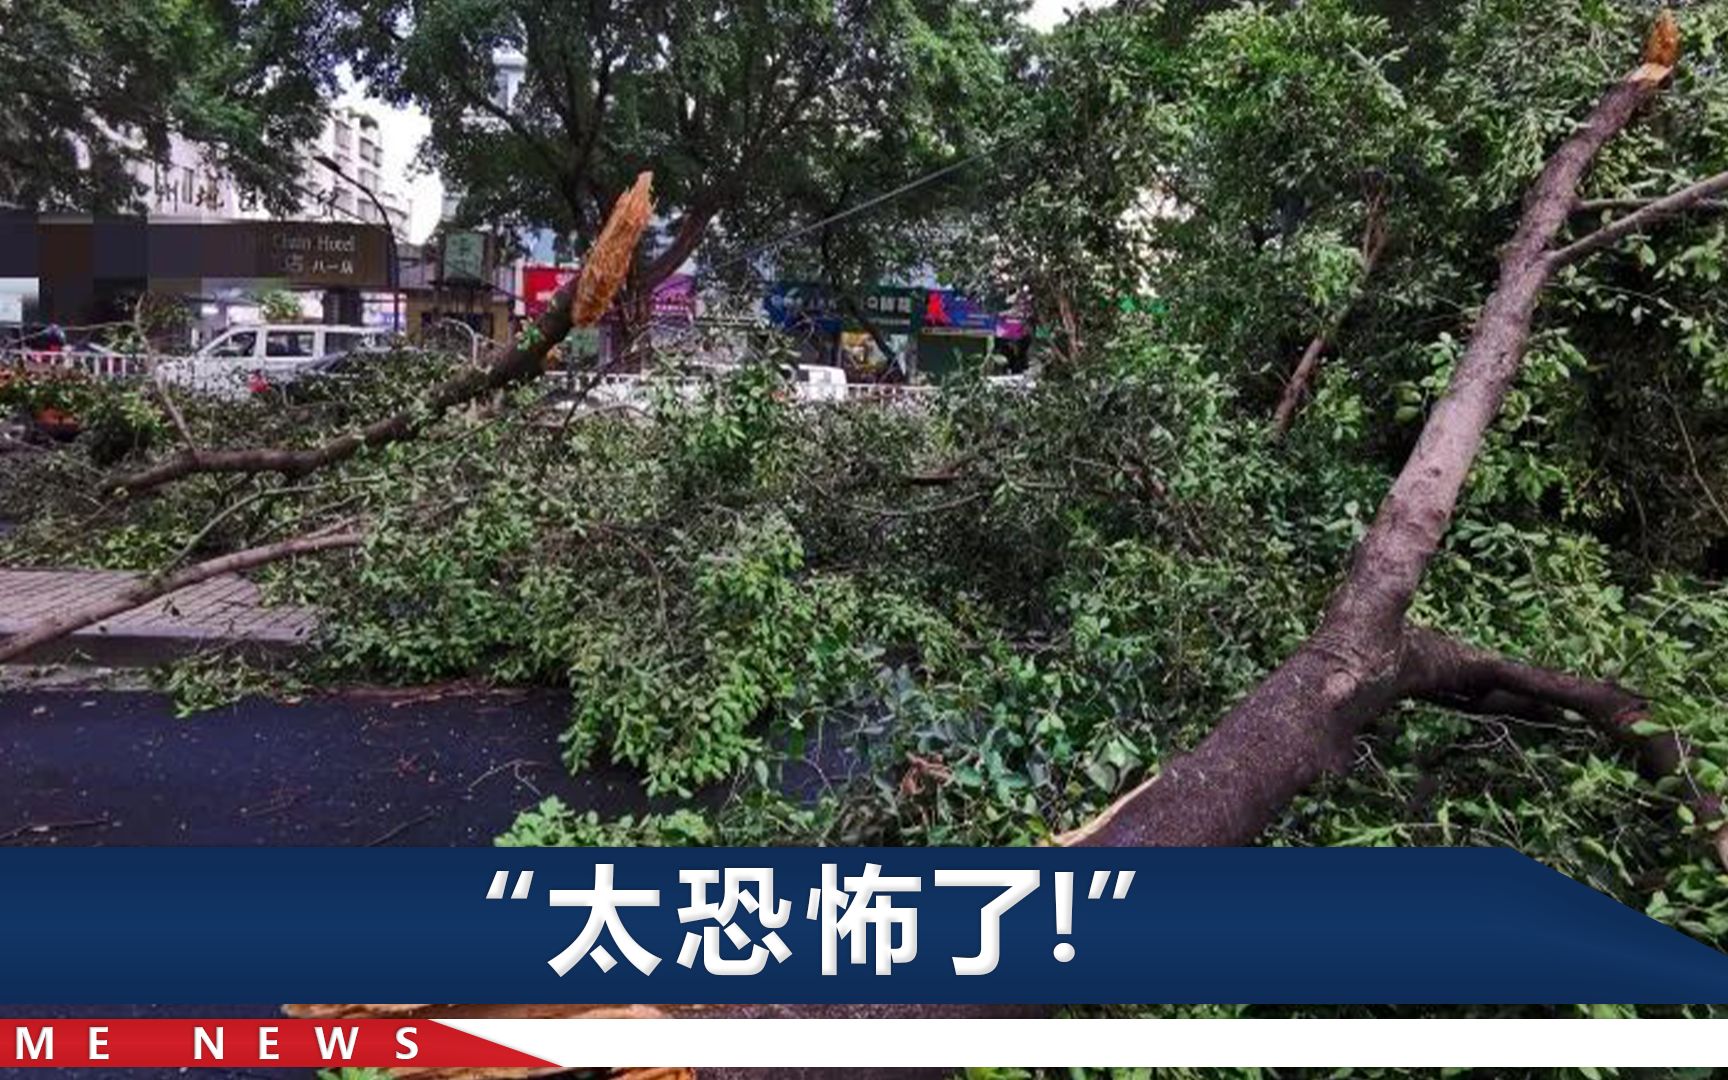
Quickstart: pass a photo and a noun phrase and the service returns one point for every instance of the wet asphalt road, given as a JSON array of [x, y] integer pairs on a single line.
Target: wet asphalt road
[[87, 768]]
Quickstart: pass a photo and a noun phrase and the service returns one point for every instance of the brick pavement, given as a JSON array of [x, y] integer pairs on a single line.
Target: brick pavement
[[223, 611]]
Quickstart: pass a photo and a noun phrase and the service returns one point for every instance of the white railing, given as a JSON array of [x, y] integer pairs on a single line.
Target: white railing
[[636, 390], [890, 393], [640, 391], [98, 365]]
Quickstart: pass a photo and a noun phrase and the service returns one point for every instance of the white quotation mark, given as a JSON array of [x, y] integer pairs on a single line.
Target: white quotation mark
[[524, 881]]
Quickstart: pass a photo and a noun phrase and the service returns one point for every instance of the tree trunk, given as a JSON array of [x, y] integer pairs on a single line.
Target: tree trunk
[[1301, 721]]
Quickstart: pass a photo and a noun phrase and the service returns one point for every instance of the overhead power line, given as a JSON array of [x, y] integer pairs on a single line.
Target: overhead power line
[[851, 211]]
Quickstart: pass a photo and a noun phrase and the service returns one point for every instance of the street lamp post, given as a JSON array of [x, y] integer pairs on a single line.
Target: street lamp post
[[389, 236]]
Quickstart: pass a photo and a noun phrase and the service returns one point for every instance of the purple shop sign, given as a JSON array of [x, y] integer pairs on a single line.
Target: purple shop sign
[[675, 298], [947, 309]]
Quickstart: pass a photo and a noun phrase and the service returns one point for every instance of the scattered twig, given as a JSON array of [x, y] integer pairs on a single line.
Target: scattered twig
[[41, 828], [515, 766], [402, 828]]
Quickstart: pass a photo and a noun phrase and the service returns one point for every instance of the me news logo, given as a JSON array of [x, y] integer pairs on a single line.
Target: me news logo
[[255, 1043]]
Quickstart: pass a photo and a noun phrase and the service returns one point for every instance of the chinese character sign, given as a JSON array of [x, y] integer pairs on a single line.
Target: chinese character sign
[[734, 916], [828, 925]]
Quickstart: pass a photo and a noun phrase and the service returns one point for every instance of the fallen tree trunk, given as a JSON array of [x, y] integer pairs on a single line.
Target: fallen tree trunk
[[1302, 720], [1364, 658]]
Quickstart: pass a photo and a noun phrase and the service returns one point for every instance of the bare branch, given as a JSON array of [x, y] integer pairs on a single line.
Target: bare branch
[[1296, 390], [1691, 197], [166, 397], [1597, 206]]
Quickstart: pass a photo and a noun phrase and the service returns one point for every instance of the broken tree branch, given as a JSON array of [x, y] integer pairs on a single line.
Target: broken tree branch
[[525, 361], [1445, 671], [1597, 206], [1302, 378], [1301, 721], [1691, 197], [1450, 673], [166, 397], [157, 585]]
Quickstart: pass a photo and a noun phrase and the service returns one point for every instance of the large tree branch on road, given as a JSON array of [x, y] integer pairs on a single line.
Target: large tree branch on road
[[524, 361]]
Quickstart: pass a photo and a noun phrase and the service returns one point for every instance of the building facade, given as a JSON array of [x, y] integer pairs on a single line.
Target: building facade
[[187, 185]]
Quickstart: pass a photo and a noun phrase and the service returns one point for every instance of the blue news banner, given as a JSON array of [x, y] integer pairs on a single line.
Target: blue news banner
[[792, 925]]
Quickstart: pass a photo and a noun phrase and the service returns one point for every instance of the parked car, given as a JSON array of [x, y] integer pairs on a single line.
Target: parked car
[[250, 359]]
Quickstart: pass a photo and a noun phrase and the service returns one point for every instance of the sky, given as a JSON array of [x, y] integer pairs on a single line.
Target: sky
[[402, 130]]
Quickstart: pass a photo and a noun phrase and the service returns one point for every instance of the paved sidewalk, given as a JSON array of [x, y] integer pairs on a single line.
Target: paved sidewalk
[[223, 611]]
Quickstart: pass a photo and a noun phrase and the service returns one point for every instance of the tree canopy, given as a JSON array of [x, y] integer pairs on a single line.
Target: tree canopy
[[87, 88], [752, 115]]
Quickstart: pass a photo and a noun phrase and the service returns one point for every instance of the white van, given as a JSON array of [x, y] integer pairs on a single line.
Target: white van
[[246, 358]]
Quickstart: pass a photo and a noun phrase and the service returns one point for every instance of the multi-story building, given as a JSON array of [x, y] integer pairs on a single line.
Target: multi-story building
[[188, 185], [351, 140], [185, 185]]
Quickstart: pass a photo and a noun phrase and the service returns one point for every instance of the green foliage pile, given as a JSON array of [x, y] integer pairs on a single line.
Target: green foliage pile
[[777, 605]]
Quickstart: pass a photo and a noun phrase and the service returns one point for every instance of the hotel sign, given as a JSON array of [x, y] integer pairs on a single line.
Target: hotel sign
[[311, 253], [319, 253]]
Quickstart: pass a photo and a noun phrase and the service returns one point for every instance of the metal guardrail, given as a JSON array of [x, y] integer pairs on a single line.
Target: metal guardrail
[[612, 388], [639, 390], [99, 365]]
